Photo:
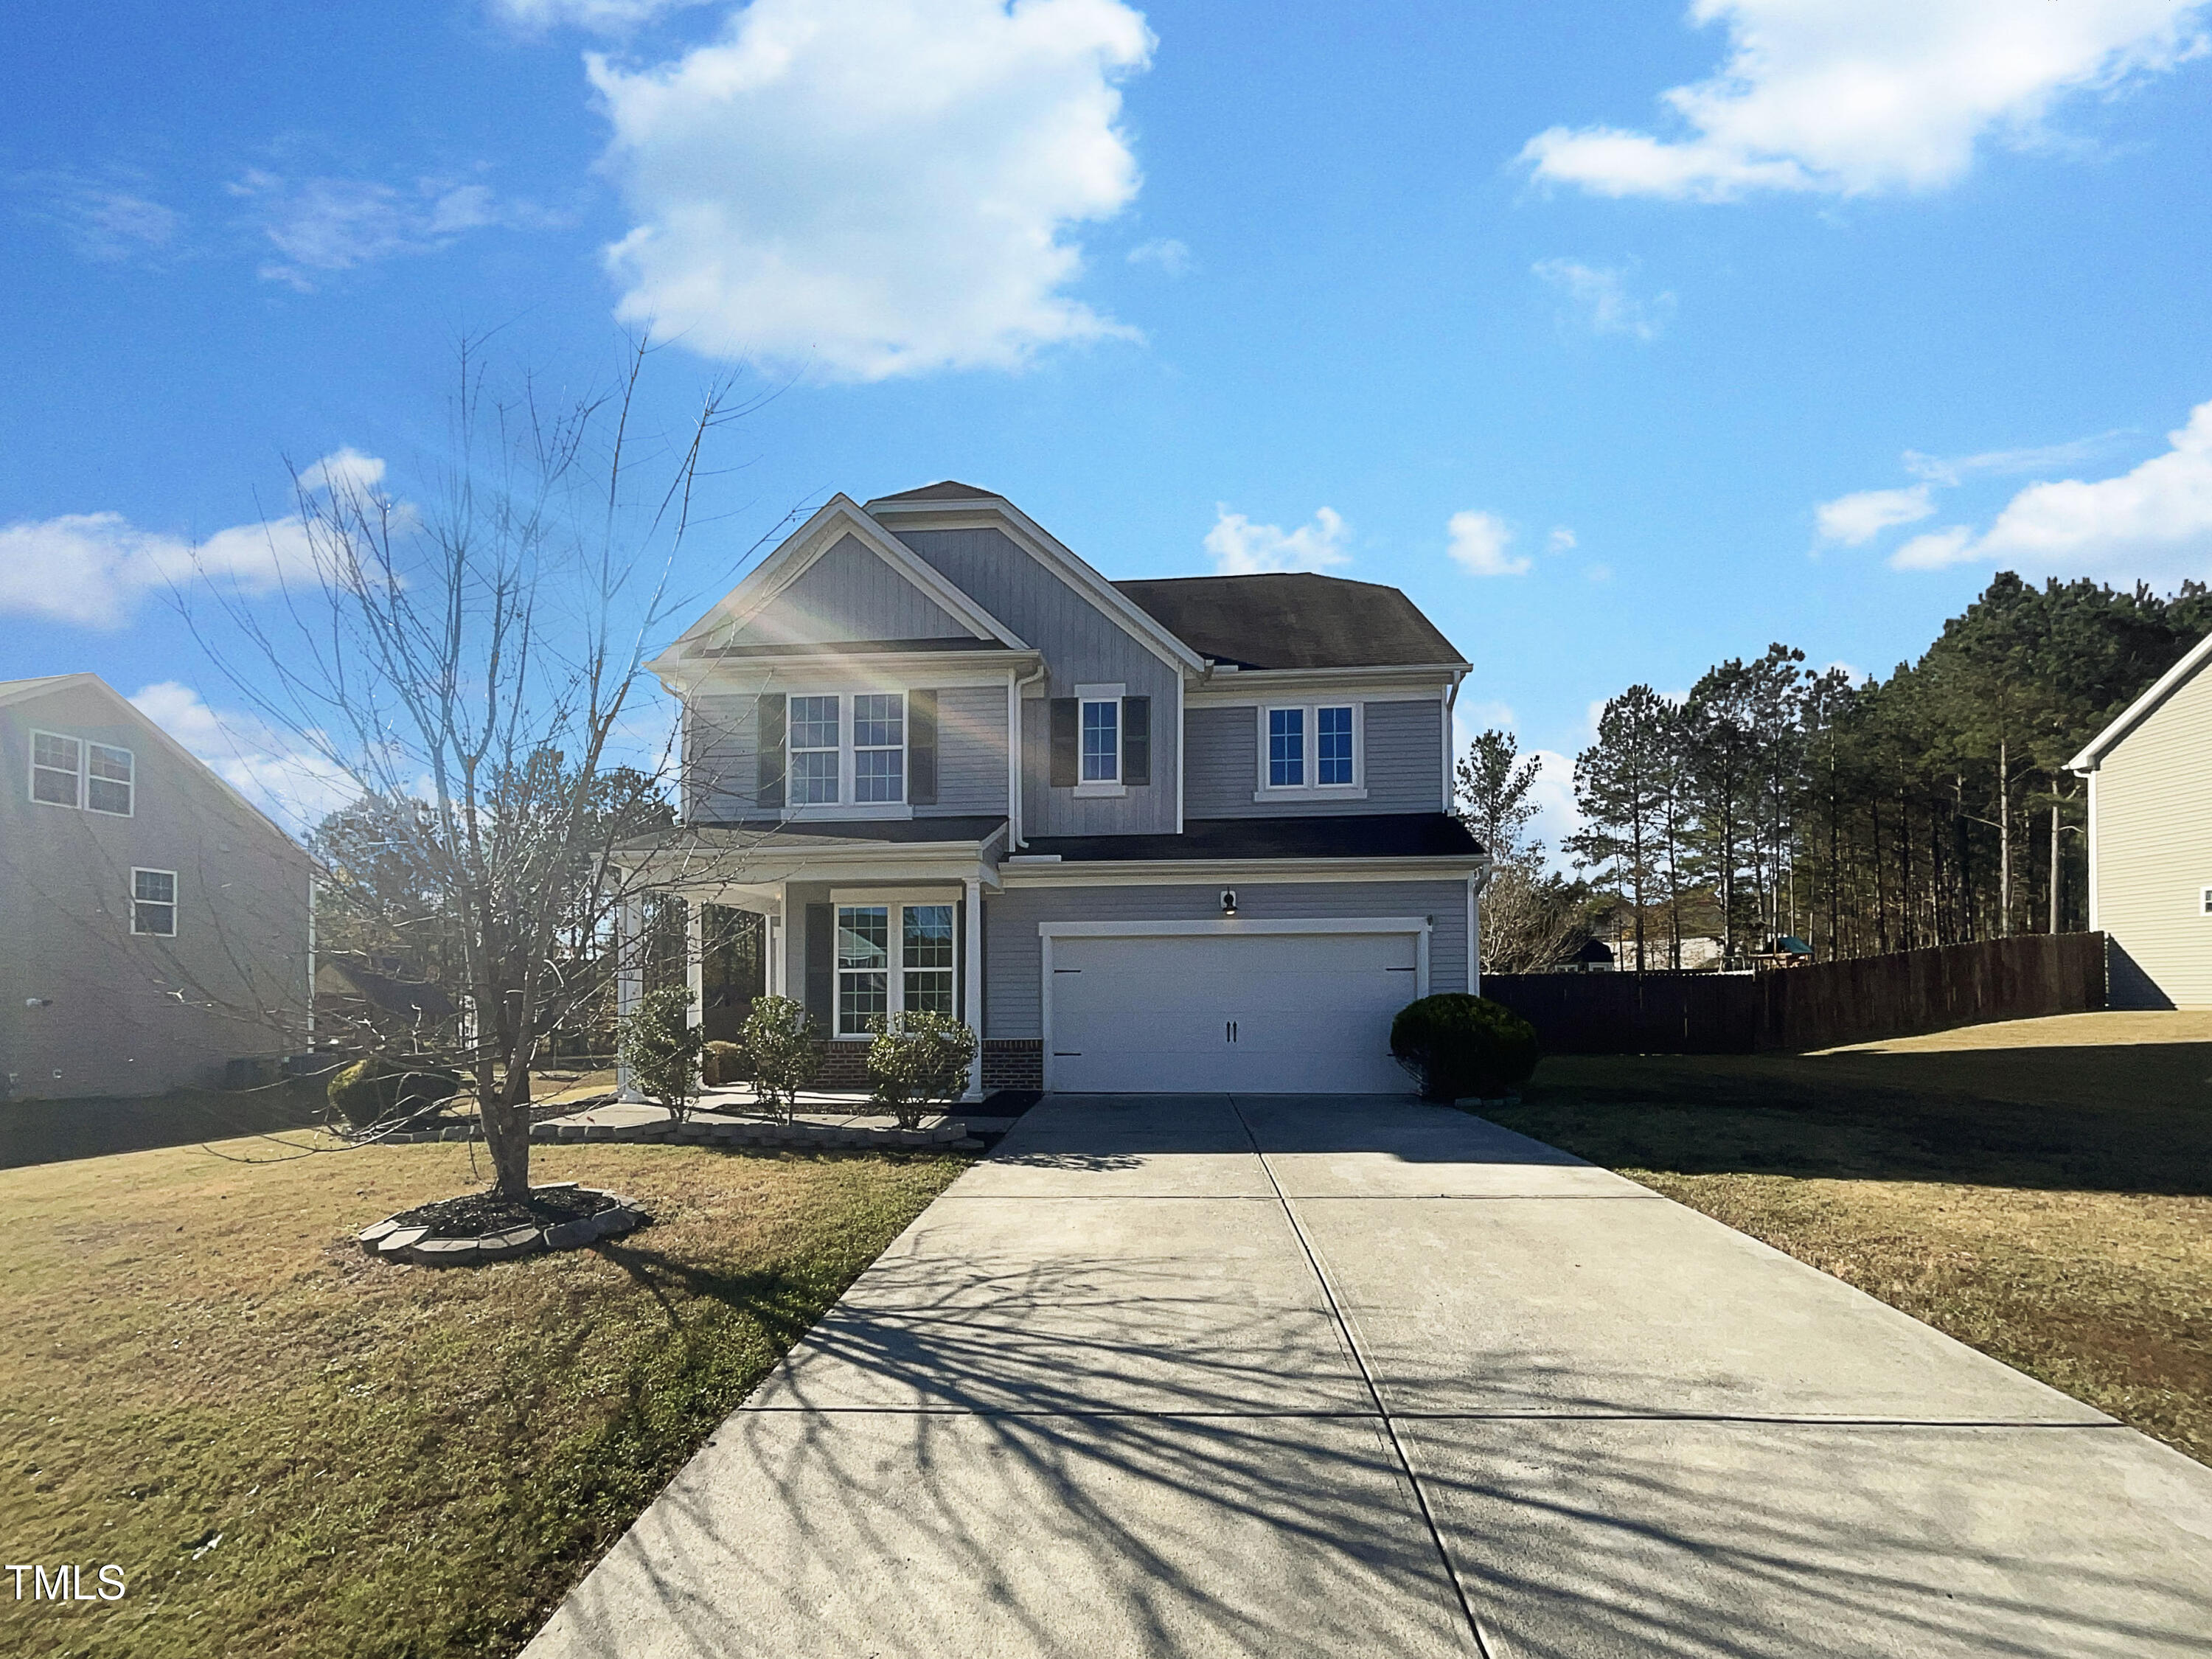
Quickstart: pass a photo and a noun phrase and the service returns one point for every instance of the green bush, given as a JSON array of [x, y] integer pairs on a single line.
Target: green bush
[[379, 1089], [661, 1048], [1457, 1046], [779, 1042], [726, 1063], [920, 1061]]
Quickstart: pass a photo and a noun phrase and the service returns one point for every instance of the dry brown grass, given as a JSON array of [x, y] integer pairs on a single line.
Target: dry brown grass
[[2041, 1190], [396, 1461]]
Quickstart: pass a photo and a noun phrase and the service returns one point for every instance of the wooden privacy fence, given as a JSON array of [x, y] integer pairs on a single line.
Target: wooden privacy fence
[[1811, 1008]]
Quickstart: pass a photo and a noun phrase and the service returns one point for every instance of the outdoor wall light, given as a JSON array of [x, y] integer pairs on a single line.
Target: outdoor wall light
[[1229, 901], [38, 1002]]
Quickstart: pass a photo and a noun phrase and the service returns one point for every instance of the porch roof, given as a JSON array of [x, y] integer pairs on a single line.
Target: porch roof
[[1369, 835]]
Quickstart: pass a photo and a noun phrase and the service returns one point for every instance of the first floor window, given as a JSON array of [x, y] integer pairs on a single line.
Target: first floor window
[[1102, 742], [813, 739], [153, 903], [880, 746], [893, 957], [57, 765], [1332, 746], [107, 779], [1286, 748]]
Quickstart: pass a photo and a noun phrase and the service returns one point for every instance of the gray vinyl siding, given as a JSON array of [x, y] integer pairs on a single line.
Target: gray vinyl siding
[[850, 593], [722, 768], [1013, 956], [2153, 852], [1082, 646], [1404, 763], [131, 1014]]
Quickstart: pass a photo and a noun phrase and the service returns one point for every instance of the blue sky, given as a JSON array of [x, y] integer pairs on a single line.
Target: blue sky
[[1623, 340]]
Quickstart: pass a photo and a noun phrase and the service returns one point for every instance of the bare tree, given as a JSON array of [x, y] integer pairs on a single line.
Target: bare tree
[[466, 664]]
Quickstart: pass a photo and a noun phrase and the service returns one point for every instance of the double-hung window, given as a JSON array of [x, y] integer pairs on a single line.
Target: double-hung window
[[153, 903], [880, 746], [1102, 739], [892, 956], [1310, 747], [815, 750], [73, 772]]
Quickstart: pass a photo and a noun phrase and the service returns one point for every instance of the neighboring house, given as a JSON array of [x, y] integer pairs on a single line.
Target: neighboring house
[[362, 1000], [2150, 840], [1145, 836], [153, 925]]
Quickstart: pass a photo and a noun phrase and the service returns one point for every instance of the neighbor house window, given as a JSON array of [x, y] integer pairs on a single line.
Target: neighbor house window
[[153, 903], [1102, 740], [107, 779], [2208, 901], [57, 769], [879, 747], [873, 977], [814, 750], [1313, 748]]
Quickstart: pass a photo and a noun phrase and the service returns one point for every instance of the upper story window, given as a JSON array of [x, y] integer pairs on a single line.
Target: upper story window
[[153, 903], [1311, 746], [879, 747], [1102, 739], [848, 750], [815, 750], [69, 771]]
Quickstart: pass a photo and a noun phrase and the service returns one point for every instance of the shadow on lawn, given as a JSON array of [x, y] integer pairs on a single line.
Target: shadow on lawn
[[33, 1132], [2114, 1118]]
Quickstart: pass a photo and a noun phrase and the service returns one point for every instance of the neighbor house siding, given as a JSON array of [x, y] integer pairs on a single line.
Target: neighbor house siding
[[129, 1014], [849, 593], [1404, 763], [1082, 646], [2153, 854], [1013, 957]]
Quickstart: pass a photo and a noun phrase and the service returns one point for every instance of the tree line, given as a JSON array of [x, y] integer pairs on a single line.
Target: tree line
[[1774, 800]]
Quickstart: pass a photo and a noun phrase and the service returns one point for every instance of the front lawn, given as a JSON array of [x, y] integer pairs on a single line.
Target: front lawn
[[2041, 1190], [290, 1449]]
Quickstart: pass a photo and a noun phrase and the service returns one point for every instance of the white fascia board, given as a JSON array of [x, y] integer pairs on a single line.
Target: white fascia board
[[1187, 872], [134, 716], [1216, 925], [994, 513], [837, 517], [939, 670], [2142, 708], [1250, 686]]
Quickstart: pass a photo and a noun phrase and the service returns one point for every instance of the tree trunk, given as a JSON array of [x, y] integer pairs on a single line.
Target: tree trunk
[[2004, 840], [2054, 866]]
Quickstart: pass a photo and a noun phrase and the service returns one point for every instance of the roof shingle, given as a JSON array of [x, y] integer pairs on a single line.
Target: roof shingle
[[1293, 619]]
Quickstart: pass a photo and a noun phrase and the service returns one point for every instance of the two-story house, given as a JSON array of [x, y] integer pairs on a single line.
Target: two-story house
[[154, 925], [1150, 835]]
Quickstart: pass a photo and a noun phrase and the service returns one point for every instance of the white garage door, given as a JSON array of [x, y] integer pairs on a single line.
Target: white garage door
[[1260, 1012]]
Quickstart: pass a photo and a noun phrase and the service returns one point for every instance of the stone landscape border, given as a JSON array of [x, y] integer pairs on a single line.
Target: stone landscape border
[[391, 1240], [801, 1136]]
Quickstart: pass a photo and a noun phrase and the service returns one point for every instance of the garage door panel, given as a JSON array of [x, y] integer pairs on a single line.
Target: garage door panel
[[1287, 1014]]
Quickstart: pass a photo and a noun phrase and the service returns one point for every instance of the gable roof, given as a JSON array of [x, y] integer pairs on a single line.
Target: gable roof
[[2142, 708], [1294, 619]]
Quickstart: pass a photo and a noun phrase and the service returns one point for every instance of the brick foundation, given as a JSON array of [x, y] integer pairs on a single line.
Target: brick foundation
[[844, 1065], [1014, 1063]]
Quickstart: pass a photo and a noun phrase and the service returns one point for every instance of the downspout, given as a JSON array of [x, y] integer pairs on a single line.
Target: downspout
[[1015, 839]]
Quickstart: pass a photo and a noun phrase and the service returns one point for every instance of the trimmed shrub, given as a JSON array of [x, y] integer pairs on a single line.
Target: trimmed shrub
[[918, 1061], [662, 1048], [779, 1042], [726, 1063], [1457, 1046], [381, 1090]]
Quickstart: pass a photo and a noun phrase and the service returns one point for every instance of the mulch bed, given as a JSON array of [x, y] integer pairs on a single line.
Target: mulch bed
[[491, 1212], [480, 1227]]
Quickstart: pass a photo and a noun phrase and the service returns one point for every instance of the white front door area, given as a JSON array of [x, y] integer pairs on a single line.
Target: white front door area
[[1273, 1008]]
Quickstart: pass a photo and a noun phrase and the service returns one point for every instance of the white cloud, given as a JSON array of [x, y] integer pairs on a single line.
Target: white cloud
[[600, 16], [1857, 519], [870, 188], [1603, 298], [2003, 463], [1479, 541], [1240, 548], [2152, 523], [1169, 255], [325, 225], [91, 569], [1599, 574], [1561, 540], [104, 219], [1852, 97], [283, 774], [1556, 814]]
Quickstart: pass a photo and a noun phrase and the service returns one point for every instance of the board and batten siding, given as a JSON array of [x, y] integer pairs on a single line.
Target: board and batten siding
[[1013, 955], [849, 593], [1403, 760], [2153, 854], [722, 745], [1082, 646]]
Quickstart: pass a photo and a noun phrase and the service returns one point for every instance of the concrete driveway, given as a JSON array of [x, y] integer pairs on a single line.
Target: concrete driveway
[[1216, 1375]]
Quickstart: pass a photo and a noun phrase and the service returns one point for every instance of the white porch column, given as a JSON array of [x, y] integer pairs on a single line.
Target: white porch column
[[629, 983], [971, 962], [694, 960], [1474, 935]]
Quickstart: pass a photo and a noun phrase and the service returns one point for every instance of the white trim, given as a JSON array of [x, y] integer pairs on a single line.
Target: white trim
[[1134, 872], [1384, 684], [1182, 745], [971, 975], [1310, 753], [2142, 708], [2092, 815], [175, 901], [31, 778], [1473, 936], [914, 893], [694, 964], [895, 969], [1220, 926], [1111, 696]]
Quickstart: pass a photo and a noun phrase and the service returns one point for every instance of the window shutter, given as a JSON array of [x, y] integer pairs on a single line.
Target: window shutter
[[922, 748], [822, 968], [1066, 726], [768, 776], [1136, 739]]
